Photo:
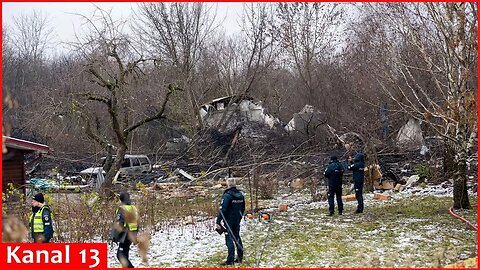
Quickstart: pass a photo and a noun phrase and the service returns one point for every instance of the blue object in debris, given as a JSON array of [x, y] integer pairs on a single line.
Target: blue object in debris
[[39, 184]]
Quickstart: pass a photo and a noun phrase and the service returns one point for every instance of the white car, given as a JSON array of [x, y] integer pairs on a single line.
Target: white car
[[132, 164]]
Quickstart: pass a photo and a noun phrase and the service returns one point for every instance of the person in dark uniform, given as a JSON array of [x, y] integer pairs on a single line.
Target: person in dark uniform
[[125, 229], [357, 167], [40, 220], [231, 213], [334, 173]]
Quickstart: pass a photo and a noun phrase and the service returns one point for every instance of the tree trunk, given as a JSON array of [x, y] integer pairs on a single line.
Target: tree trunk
[[460, 194], [107, 184], [449, 167], [108, 159]]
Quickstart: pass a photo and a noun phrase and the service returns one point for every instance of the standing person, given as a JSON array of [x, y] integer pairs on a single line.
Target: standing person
[[231, 213], [125, 229], [334, 173], [40, 220], [357, 167]]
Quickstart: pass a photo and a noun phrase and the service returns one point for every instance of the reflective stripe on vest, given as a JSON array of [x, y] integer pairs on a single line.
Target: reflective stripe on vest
[[38, 221], [132, 210]]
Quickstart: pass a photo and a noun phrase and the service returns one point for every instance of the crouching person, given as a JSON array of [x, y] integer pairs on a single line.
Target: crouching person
[[125, 229], [231, 213]]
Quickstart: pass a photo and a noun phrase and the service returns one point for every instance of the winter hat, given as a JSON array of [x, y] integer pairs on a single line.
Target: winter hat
[[39, 198], [125, 197], [333, 158]]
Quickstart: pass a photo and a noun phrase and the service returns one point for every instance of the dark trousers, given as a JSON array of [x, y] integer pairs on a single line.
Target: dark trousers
[[122, 253], [332, 192], [233, 241], [358, 186]]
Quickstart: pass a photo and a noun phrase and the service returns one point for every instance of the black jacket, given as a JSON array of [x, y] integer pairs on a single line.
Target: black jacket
[[232, 208], [358, 168], [334, 173]]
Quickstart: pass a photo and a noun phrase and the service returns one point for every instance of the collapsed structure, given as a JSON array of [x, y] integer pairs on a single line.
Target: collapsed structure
[[231, 112], [410, 135]]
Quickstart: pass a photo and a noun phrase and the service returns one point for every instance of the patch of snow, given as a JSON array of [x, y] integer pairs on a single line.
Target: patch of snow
[[186, 245], [407, 240], [179, 246]]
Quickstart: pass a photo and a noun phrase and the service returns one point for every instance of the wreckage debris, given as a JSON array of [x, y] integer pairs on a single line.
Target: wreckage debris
[[283, 207], [381, 197], [349, 198]]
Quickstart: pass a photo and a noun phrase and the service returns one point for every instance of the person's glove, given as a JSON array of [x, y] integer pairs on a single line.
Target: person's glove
[[220, 229]]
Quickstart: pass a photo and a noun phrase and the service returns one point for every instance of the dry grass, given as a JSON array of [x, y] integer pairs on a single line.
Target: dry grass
[[88, 217]]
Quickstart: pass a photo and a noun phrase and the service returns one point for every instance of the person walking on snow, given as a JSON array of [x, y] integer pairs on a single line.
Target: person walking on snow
[[231, 213], [125, 229]]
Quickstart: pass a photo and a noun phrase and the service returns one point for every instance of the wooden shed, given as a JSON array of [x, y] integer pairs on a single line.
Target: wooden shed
[[13, 160]]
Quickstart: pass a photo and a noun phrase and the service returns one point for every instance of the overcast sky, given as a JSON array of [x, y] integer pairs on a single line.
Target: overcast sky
[[64, 22]]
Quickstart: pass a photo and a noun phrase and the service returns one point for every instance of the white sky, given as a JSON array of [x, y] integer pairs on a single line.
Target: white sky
[[65, 23]]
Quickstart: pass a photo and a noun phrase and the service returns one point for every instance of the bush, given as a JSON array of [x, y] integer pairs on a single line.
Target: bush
[[267, 186], [424, 171], [89, 217]]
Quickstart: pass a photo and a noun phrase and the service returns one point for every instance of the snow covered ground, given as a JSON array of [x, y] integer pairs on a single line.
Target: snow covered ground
[[177, 246], [305, 237]]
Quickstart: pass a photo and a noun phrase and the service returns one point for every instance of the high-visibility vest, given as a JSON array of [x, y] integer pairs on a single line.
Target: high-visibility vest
[[132, 225], [38, 220]]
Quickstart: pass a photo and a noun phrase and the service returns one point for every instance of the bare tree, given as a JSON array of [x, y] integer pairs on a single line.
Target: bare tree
[[176, 35], [244, 60], [24, 67], [112, 67], [31, 35], [308, 32], [431, 73], [258, 42]]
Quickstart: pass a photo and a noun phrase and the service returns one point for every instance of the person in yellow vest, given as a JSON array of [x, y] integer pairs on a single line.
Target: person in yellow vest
[[125, 229], [41, 222]]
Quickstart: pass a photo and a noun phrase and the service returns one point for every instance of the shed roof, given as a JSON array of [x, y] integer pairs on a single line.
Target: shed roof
[[25, 145]]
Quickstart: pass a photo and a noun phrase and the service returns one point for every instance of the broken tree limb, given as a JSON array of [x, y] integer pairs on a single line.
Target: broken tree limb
[[233, 144], [334, 133]]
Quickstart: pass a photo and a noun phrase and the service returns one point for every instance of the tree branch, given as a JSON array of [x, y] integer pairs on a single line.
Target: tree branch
[[159, 115]]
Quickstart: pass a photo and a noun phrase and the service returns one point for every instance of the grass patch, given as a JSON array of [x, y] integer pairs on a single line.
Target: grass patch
[[416, 231]]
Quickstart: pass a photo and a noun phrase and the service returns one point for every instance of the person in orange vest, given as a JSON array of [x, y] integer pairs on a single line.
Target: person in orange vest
[[125, 229], [40, 220]]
